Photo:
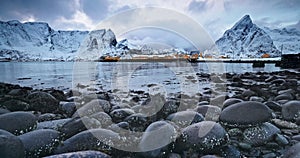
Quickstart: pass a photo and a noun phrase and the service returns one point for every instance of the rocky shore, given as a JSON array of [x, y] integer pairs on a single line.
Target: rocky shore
[[260, 118]]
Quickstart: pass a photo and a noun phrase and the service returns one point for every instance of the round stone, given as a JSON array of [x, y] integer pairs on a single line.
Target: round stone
[[94, 139], [42, 102], [291, 110], [94, 106], [137, 122], [245, 114], [274, 105], [168, 108], [259, 135], [15, 105], [103, 118], [285, 96], [210, 112], [40, 143], [204, 136], [119, 115], [156, 138], [77, 125], [185, 118], [53, 124], [81, 154], [231, 101], [10, 146], [18, 122], [68, 107], [3, 111]]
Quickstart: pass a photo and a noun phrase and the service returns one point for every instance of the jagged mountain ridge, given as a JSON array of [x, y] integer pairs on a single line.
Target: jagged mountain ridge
[[245, 39], [38, 41]]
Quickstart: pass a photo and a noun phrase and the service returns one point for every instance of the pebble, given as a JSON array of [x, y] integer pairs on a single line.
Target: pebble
[[3, 111], [156, 138], [137, 122], [15, 105], [210, 112], [259, 135], [245, 114], [273, 105], [119, 115], [185, 118], [281, 140], [284, 124], [53, 124], [94, 106], [204, 136], [231, 101], [104, 119], [94, 139], [291, 110], [293, 152], [18, 122]]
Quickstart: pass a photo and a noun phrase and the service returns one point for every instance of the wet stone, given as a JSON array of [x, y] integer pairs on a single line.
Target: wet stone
[[204, 136], [40, 143], [137, 122], [42, 102], [8, 142], [259, 135], [231, 101], [94, 106], [18, 122], [274, 105], [103, 118], [245, 114], [185, 118], [291, 110], [119, 115], [293, 152], [15, 105], [210, 113]]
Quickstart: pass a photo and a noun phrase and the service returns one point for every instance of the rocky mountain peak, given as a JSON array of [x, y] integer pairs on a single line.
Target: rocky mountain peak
[[244, 22]]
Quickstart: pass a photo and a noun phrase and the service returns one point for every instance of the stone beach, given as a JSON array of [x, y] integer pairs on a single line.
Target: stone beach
[[253, 114]]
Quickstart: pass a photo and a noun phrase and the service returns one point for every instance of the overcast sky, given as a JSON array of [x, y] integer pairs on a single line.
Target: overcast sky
[[215, 16]]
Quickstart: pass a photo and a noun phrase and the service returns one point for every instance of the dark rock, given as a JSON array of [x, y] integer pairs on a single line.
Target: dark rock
[[245, 146], [39, 143], [231, 101], [278, 81], [53, 124], [81, 154], [47, 117], [120, 127], [59, 95], [168, 108], [103, 118], [269, 155], [156, 138], [204, 136], [259, 135], [210, 113], [68, 108], [245, 114], [15, 105], [18, 122], [280, 139], [185, 118], [18, 92], [293, 152], [235, 132], [274, 105], [10, 146], [257, 99], [94, 106], [284, 124], [203, 103], [137, 122], [43, 102], [94, 139], [248, 93], [291, 110], [285, 96], [77, 125], [119, 115], [296, 137]]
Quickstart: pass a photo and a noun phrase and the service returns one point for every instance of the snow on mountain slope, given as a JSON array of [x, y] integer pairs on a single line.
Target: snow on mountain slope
[[287, 39], [245, 39], [38, 41]]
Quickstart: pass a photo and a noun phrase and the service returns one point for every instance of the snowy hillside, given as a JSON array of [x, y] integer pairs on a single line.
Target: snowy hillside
[[245, 39], [287, 39], [38, 41]]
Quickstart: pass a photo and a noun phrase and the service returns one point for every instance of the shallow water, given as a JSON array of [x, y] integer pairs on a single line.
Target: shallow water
[[172, 76]]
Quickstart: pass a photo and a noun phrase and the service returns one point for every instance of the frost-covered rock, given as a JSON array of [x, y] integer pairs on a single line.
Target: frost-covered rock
[[246, 39]]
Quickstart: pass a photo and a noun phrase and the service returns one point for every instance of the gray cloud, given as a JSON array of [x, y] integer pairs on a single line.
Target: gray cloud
[[198, 6], [43, 10], [95, 9]]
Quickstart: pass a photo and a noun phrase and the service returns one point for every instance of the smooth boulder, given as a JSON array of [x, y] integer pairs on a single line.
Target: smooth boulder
[[204, 136], [81, 154], [8, 142], [291, 110], [18, 122], [245, 114], [42, 102], [40, 143]]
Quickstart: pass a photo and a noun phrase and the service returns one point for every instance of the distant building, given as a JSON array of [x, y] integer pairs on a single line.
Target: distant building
[[290, 60]]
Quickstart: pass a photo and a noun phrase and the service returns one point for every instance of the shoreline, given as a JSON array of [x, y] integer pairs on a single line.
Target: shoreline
[[61, 121]]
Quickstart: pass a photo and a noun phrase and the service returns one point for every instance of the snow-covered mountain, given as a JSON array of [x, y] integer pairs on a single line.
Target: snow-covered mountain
[[286, 39], [246, 39], [38, 41]]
